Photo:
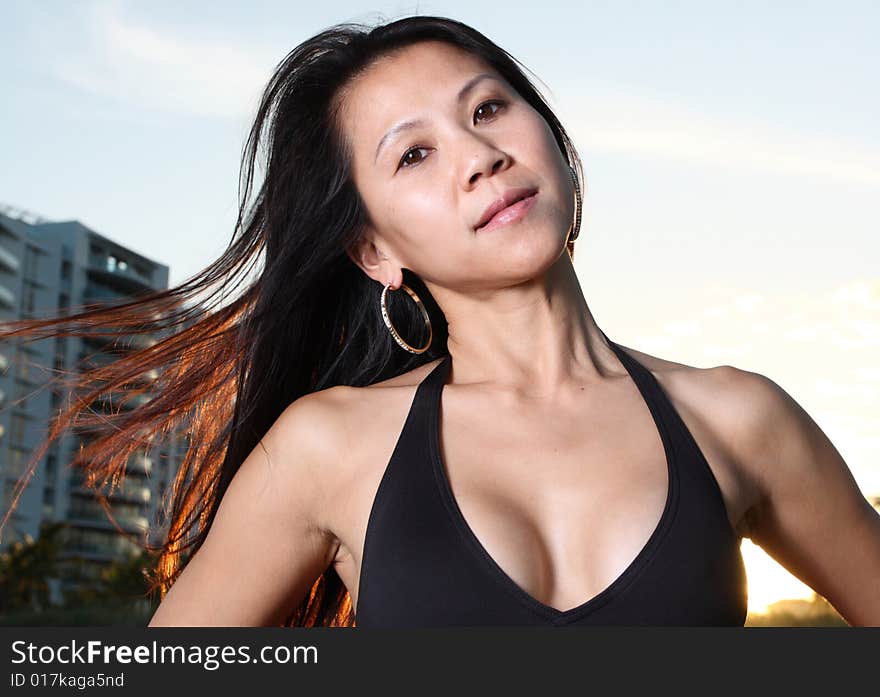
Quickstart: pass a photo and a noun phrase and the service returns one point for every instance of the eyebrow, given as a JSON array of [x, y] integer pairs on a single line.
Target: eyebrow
[[414, 123]]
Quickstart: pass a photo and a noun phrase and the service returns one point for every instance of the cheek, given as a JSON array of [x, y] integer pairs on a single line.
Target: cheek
[[420, 222], [421, 206], [538, 132], [549, 151]]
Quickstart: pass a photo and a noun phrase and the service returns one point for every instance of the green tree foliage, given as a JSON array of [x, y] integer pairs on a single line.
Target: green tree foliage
[[26, 567], [119, 595]]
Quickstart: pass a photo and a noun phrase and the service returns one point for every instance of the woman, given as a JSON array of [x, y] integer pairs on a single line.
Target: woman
[[429, 428]]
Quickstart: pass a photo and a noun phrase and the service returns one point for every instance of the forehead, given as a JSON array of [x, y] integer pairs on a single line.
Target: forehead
[[399, 85], [431, 60]]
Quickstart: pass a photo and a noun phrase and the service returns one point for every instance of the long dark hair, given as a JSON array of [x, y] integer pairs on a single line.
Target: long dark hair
[[307, 317]]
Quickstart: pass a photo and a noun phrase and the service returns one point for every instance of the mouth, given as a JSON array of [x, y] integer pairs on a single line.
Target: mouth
[[508, 210]]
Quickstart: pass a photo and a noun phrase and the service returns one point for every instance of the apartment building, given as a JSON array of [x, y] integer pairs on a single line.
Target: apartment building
[[47, 266]]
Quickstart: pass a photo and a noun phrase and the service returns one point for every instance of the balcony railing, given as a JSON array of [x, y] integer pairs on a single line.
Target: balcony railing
[[127, 280], [140, 463], [8, 260], [7, 297], [131, 523], [133, 490], [113, 548]]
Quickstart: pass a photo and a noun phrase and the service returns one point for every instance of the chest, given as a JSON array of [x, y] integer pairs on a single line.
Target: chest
[[557, 502]]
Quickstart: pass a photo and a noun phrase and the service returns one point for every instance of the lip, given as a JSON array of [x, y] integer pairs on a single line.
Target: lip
[[510, 197]]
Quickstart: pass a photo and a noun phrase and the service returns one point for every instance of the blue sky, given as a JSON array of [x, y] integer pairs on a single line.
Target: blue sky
[[736, 129], [704, 127], [732, 155]]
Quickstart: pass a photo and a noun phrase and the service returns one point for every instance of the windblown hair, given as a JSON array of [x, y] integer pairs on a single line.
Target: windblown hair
[[307, 318]]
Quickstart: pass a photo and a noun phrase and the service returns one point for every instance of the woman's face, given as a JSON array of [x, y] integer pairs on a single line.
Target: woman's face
[[426, 186]]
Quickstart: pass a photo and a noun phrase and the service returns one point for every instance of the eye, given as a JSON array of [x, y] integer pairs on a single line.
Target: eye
[[405, 155], [406, 164], [485, 104]]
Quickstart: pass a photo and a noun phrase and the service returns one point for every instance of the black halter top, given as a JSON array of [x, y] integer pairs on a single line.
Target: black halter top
[[423, 566]]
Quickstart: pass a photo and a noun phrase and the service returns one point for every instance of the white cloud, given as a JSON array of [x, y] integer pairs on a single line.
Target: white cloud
[[864, 293], [164, 69], [169, 70], [609, 119], [747, 303], [821, 346], [682, 328]]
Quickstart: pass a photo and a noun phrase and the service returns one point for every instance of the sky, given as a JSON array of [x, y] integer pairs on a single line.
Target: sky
[[731, 151]]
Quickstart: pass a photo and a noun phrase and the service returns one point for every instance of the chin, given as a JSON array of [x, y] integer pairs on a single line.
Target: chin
[[535, 252]]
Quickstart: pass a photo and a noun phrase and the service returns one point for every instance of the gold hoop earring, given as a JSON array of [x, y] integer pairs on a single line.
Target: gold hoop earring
[[390, 326], [575, 228]]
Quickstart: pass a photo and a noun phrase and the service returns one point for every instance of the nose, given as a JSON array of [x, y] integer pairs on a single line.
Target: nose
[[487, 159]]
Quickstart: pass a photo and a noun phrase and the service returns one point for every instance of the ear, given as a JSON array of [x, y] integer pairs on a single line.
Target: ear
[[378, 265], [366, 256]]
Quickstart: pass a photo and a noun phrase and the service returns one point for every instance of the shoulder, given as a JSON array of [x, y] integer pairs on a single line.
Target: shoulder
[[703, 388], [744, 400], [770, 433], [349, 401], [811, 515], [324, 417], [784, 448], [333, 425], [778, 448], [339, 406], [729, 410]]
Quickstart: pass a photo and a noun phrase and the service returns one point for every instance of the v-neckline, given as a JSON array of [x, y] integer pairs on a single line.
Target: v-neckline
[[473, 543]]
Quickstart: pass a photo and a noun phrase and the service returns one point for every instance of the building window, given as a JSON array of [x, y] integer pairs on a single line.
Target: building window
[[22, 366], [29, 296], [8, 494], [114, 263], [17, 425], [22, 392], [18, 459], [31, 268]]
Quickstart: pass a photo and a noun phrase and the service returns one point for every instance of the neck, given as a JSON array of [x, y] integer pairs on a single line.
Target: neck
[[537, 337]]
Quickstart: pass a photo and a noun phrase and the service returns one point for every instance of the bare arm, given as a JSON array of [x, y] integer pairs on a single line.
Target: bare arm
[[812, 519], [267, 544]]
